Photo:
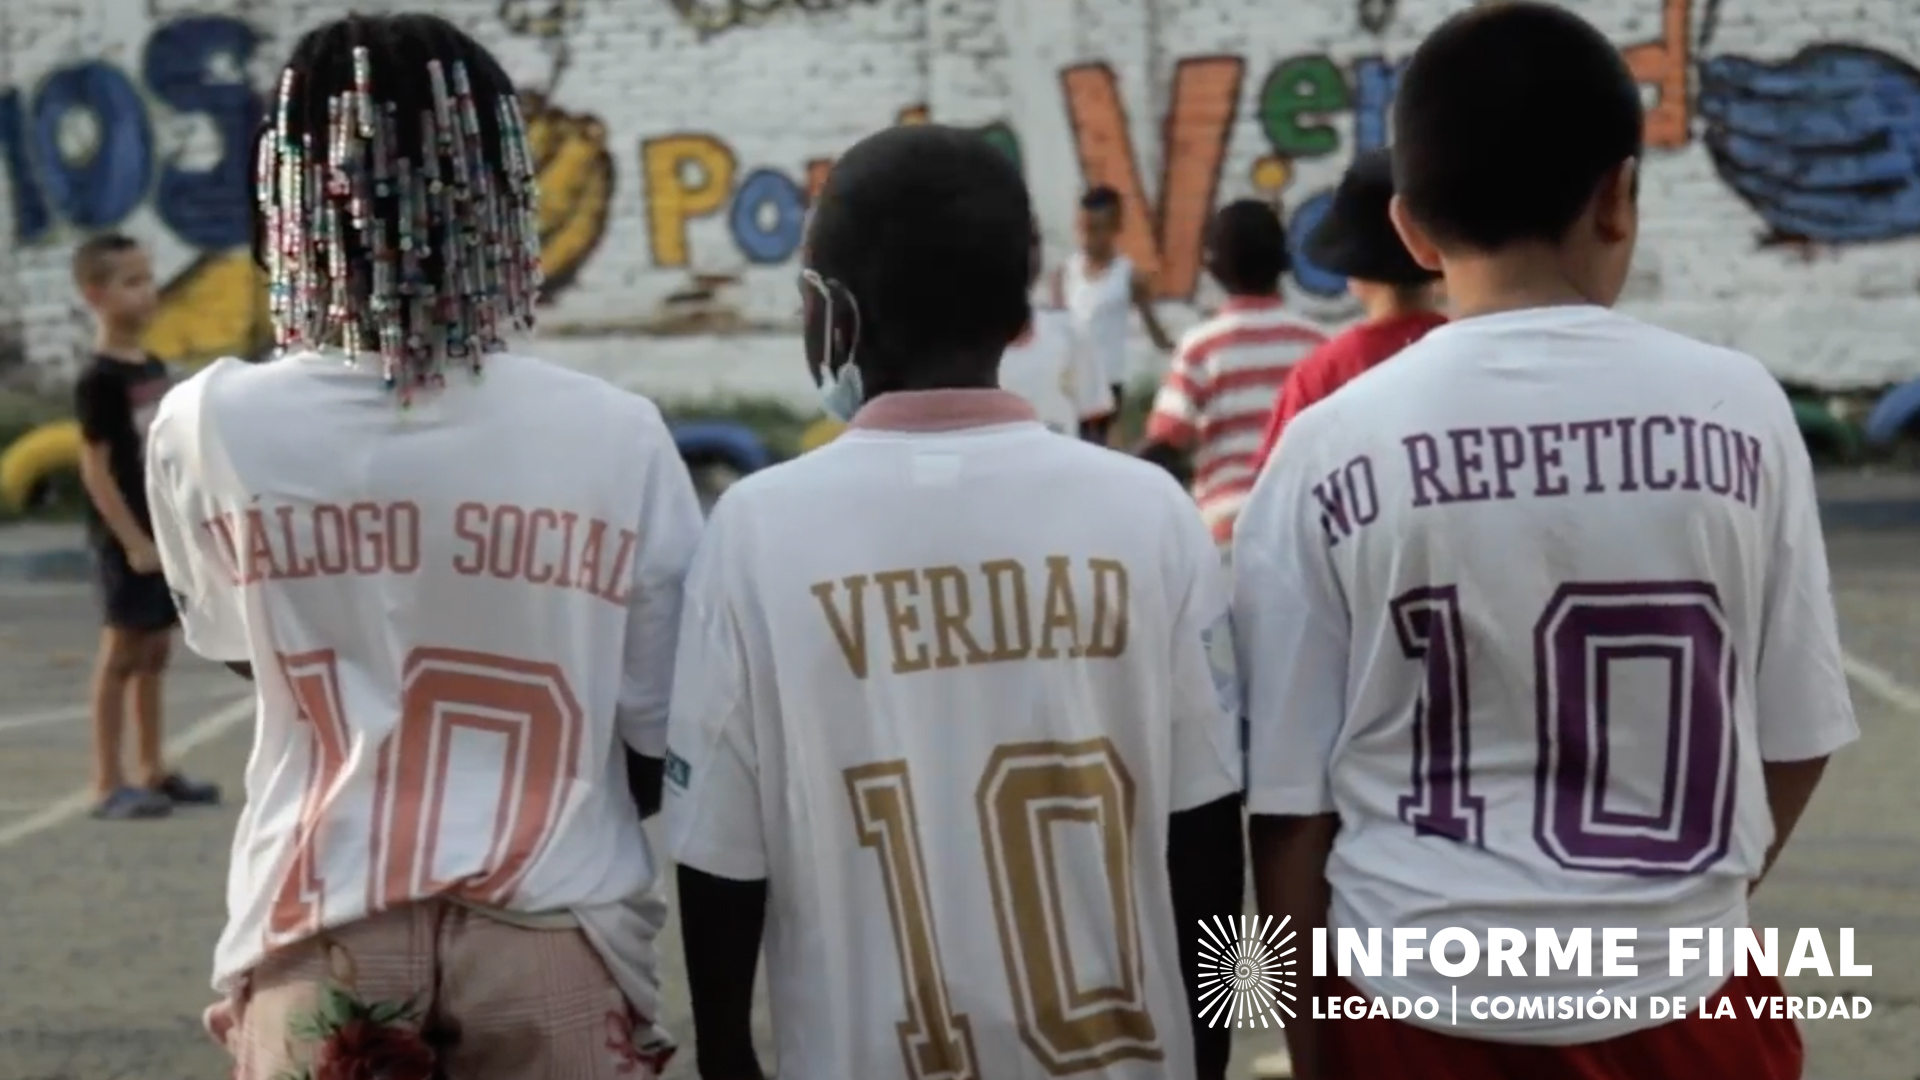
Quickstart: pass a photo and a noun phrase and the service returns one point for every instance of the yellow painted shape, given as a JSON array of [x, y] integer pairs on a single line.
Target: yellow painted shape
[[42, 452], [215, 307], [820, 433], [576, 187]]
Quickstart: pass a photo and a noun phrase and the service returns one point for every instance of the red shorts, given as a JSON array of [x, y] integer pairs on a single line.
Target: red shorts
[[1743, 1048]]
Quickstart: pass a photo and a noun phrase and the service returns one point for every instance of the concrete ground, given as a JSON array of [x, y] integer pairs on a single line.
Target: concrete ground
[[106, 930]]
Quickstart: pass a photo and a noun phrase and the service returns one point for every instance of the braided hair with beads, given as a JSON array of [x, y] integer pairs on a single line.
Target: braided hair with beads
[[397, 199]]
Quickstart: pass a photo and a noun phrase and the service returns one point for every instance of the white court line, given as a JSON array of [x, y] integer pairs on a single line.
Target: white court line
[[75, 713], [59, 813], [1880, 684], [64, 714], [1868, 677]]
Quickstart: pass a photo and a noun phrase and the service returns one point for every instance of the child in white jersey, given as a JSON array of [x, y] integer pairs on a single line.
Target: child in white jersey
[[908, 738], [1535, 618], [458, 597], [1103, 288], [1052, 367]]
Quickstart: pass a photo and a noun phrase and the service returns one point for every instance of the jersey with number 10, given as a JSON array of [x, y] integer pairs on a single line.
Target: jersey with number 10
[[1528, 607], [457, 614], [942, 691]]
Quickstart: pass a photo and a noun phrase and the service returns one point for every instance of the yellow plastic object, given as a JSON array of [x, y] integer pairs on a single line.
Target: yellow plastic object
[[820, 433], [35, 456]]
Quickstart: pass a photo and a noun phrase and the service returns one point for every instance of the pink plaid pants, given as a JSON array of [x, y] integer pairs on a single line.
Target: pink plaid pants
[[495, 1001]]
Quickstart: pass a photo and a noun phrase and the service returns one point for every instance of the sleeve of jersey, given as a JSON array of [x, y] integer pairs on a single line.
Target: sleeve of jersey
[[1291, 631], [1206, 695], [1805, 709], [212, 612], [669, 532], [712, 811]]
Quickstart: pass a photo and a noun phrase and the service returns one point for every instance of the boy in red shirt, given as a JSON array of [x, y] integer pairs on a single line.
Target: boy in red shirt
[[1357, 239]]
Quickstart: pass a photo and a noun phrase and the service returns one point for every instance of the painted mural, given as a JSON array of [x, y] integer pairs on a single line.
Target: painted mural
[[83, 152], [679, 143], [1824, 146]]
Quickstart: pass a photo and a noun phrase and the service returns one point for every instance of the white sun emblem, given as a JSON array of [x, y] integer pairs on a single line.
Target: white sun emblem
[[1246, 971]]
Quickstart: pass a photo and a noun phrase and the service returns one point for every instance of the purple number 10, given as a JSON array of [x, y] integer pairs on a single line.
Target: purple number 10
[[1584, 629]]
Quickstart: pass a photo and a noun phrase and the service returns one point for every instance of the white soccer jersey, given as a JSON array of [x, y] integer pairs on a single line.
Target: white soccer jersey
[[942, 691], [456, 616], [1054, 371], [1528, 608]]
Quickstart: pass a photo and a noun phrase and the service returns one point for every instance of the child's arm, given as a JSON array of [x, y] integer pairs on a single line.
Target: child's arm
[[96, 475], [1143, 300], [103, 413], [1800, 692]]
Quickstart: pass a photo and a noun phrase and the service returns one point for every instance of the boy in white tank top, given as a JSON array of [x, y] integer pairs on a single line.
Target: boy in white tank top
[[1101, 288], [1052, 367]]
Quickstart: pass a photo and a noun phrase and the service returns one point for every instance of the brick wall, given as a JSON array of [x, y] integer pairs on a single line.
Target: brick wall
[[681, 137]]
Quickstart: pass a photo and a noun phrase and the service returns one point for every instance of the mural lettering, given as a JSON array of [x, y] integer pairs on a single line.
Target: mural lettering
[[1814, 143], [81, 147], [1824, 146], [692, 175]]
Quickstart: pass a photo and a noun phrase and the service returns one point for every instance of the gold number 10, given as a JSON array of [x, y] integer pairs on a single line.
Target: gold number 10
[[1027, 793]]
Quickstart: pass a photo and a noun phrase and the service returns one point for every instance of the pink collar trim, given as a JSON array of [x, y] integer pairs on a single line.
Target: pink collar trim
[[941, 410]]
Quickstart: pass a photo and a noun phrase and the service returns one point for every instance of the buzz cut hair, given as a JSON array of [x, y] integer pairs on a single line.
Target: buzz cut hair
[[93, 259], [1506, 120]]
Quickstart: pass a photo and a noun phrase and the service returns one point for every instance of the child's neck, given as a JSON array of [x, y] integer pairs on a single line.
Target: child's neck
[[119, 345], [1489, 285], [1394, 305]]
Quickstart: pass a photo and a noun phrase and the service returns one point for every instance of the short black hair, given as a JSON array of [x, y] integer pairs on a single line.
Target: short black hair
[[94, 257], [1247, 247], [929, 227], [1100, 197], [1506, 120]]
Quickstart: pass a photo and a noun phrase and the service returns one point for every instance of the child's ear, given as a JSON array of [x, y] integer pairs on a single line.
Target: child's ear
[[1616, 202], [1419, 245]]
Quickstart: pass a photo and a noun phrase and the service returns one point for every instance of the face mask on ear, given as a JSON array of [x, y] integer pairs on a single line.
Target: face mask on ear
[[841, 393]]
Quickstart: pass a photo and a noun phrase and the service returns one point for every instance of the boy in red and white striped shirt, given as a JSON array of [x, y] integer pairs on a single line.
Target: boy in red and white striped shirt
[[1219, 390]]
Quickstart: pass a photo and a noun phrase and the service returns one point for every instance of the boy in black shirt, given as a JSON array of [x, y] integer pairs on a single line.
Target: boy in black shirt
[[115, 399]]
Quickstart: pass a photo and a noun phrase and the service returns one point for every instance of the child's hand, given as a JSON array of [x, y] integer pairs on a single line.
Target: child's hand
[[144, 558]]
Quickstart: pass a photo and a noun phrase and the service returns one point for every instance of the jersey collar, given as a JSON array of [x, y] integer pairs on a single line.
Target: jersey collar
[[941, 410]]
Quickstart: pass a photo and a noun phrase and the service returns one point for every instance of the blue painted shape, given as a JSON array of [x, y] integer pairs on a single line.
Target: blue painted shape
[[1306, 218], [30, 217], [1895, 414], [197, 66], [768, 243], [735, 443], [99, 191], [1824, 145], [1375, 79]]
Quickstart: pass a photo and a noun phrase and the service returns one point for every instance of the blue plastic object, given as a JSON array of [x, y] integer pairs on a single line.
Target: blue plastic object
[[1894, 414], [735, 444]]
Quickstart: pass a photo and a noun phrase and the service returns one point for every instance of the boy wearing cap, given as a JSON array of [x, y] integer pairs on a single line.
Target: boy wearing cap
[[1357, 239]]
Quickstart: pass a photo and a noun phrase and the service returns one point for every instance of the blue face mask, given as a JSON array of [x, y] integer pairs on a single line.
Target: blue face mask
[[841, 392]]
